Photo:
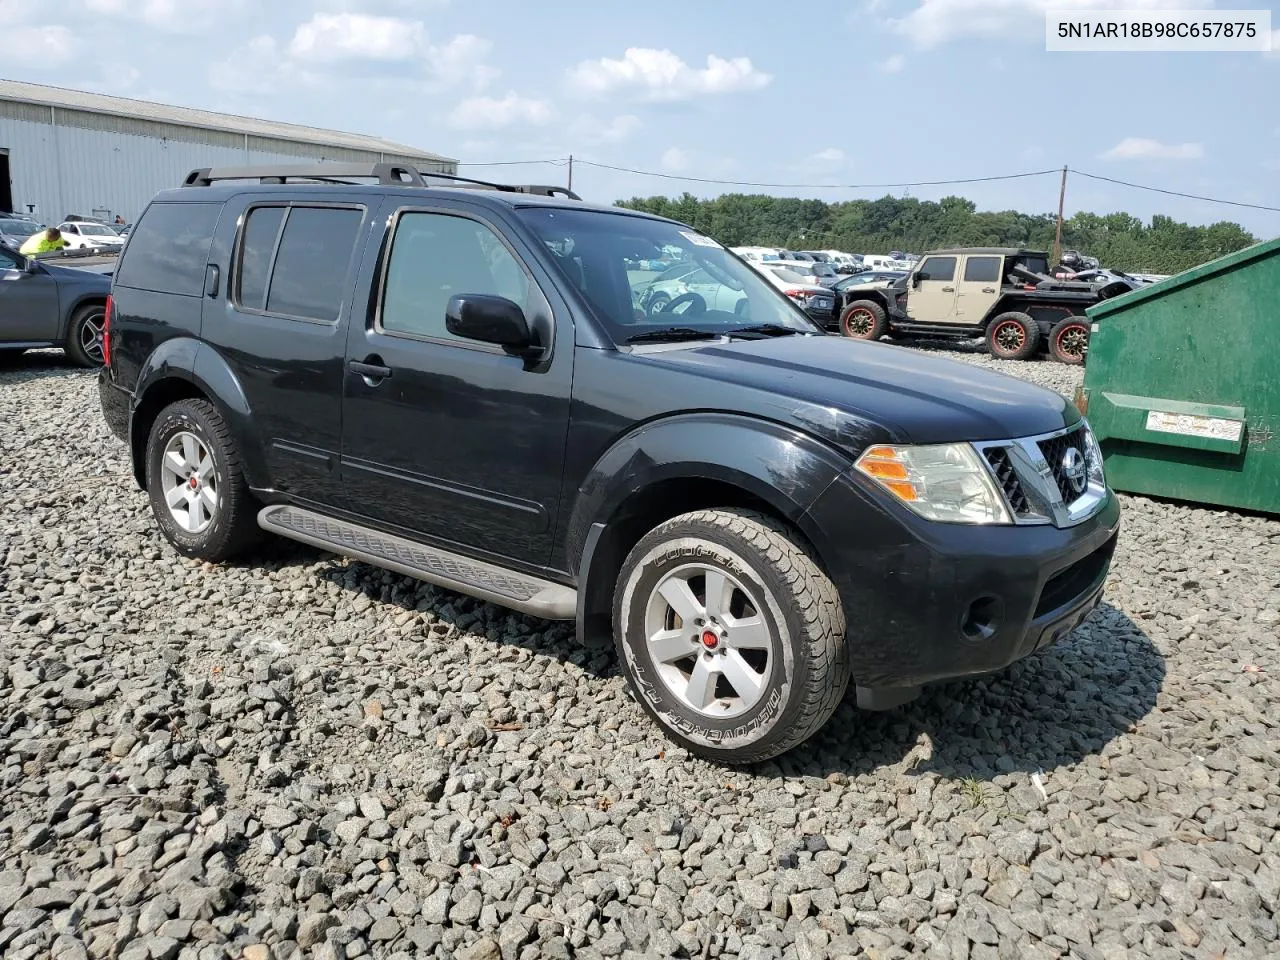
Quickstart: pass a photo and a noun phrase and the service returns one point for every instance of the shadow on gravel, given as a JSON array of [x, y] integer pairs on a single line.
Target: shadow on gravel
[[38, 365], [1055, 708], [545, 638]]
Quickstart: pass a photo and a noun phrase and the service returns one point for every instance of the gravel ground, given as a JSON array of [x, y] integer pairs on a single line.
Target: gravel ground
[[304, 756]]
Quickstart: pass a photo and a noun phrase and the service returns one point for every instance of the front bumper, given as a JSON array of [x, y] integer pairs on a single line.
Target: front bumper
[[930, 601], [116, 404]]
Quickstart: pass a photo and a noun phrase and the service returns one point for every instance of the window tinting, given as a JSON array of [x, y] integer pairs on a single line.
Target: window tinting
[[435, 256], [939, 268], [169, 248], [982, 270], [256, 247], [311, 266]]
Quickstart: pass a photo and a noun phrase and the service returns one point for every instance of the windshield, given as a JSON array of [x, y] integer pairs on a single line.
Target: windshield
[[96, 230], [603, 255], [823, 269], [18, 228]]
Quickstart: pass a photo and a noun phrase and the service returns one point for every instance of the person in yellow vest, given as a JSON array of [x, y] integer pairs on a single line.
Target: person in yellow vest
[[50, 239]]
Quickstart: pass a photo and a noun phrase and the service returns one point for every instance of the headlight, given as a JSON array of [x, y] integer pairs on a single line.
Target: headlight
[[944, 482], [1093, 457]]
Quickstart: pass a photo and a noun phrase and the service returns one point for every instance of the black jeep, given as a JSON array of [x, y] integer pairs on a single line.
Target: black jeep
[[453, 381]]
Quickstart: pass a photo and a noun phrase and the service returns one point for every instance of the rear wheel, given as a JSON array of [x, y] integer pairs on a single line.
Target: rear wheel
[[1069, 340], [84, 336], [1013, 336], [730, 635], [658, 304], [864, 320], [198, 493]]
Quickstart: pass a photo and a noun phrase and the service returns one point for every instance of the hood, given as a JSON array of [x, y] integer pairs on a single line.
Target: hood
[[71, 269], [825, 385]]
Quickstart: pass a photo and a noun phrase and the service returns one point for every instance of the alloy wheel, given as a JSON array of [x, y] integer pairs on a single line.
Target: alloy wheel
[[189, 482]]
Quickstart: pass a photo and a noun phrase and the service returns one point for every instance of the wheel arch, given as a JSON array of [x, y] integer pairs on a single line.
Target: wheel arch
[[667, 469], [184, 369], [87, 298]]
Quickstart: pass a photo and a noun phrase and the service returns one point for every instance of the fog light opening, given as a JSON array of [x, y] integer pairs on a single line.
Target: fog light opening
[[981, 619]]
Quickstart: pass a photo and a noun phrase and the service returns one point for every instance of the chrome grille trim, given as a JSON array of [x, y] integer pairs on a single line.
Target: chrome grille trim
[[1035, 491]]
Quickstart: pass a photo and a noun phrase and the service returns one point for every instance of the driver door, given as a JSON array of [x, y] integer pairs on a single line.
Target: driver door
[[28, 302], [932, 297]]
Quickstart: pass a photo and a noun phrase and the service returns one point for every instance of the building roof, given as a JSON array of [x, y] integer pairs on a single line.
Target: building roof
[[59, 97]]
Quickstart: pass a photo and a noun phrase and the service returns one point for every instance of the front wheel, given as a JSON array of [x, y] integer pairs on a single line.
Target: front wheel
[[864, 320], [84, 336], [1013, 336], [731, 636], [198, 493], [1069, 340]]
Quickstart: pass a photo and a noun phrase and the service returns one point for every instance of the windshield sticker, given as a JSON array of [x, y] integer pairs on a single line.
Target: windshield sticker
[[699, 239]]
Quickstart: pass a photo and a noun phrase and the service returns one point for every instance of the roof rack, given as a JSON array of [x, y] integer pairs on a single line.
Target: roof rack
[[386, 174]]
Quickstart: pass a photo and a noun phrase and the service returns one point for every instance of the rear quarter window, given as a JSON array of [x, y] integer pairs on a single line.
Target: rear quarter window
[[169, 249]]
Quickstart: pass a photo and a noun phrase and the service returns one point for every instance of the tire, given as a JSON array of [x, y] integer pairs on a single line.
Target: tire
[[84, 335], [196, 426], [658, 304], [790, 624], [864, 320], [1013, 336], [1069, 340]]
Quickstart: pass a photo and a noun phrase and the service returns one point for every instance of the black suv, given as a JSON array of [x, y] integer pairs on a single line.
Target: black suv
[[455, 381]]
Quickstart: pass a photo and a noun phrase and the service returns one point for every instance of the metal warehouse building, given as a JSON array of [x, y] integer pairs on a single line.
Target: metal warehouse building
[[65, 152]]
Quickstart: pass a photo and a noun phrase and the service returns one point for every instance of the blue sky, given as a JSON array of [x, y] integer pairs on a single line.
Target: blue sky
[[866, 92]]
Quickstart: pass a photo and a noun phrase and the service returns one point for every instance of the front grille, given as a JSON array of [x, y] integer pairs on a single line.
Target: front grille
[[1072, 583], [1054, 449], [1007, 477]]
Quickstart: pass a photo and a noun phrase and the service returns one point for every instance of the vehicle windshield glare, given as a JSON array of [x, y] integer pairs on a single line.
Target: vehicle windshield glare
[[96, 230], [18, 228], [611, 258]]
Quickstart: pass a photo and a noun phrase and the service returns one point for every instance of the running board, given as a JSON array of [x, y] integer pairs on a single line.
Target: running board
[[486, 581]]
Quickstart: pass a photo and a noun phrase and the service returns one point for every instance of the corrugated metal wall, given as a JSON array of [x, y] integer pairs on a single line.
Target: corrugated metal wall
[[86, 161]]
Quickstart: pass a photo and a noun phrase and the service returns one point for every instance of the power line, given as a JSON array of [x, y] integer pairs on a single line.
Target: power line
[[815, 186], [1175, 193], [513, 163]]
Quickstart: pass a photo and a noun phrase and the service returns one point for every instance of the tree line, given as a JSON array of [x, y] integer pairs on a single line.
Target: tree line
[[1118, 240]]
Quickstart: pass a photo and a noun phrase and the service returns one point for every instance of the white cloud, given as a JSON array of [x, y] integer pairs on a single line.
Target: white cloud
[[493, 113], [258, 66], [674, 159], [1142, 148], [936, 22], [39, 46], [893, 64], [329, 37], [461, 61], [661, 75], [183, 16], [615, 131], [830, 155]]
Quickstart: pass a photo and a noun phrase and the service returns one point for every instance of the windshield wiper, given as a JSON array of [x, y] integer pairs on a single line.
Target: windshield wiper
[[768, 329], [672, 334]]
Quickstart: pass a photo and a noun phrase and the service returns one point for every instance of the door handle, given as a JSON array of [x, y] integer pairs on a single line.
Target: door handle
[[988, 289], [371, 371], [948, 289], [211, 278]]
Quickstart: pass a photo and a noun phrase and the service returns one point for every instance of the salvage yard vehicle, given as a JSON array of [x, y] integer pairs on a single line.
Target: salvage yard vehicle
[[53, 300], [449, 379], [1001, 294]]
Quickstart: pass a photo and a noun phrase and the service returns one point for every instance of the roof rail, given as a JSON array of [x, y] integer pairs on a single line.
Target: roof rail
[[387, 174]]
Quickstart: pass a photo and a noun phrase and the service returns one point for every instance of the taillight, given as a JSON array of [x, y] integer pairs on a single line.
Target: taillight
[[106, 334], [795, 294]]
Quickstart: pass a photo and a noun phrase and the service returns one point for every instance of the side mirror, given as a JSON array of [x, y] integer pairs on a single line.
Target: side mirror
[[489, 319], [31, 266], [915, 280]]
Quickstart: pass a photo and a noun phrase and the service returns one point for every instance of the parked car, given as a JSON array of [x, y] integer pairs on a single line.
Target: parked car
[[691, 286], [816, 300], [46, 302], [452, 383], [14, 232], [85, 233], [847, 289], [1002, 294], [821, 274]]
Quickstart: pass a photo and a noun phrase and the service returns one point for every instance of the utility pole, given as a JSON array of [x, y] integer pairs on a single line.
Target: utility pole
[[571, 171], [1057, 236]]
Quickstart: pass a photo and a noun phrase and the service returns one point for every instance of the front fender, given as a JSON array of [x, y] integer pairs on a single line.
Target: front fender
[[193, 362], [779, 465]]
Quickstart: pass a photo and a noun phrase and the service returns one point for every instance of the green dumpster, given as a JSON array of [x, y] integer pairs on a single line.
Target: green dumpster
[[1182, 383]]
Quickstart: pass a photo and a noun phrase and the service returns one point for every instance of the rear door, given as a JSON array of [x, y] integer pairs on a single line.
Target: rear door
[[460, 442], [28, 302], [282, 327], [932, 296], [978, 288]]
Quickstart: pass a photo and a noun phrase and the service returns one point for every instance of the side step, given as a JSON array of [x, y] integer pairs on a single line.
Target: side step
[[507, 588]]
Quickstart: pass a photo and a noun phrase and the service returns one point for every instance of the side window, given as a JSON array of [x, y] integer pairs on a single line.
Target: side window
[[8, 259], [938, 268], [982, 270], [169, 248], [435, 256], [293, 261]]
